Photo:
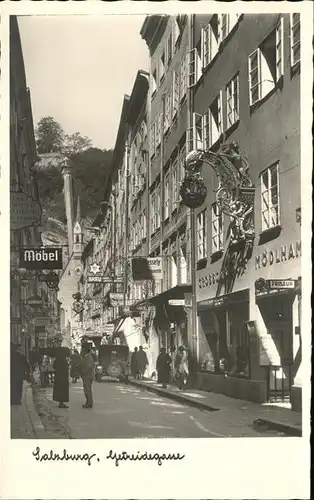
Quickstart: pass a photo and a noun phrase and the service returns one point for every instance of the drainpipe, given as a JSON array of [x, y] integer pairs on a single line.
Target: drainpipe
[[126, 221], [194, 323], [163, 105]]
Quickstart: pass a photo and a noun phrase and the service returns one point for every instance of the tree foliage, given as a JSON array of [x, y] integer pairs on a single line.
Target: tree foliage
[[49, 135], [51, 138]]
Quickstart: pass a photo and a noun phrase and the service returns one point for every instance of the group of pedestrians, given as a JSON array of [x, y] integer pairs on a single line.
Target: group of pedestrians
[[178, 371], [55, 360], [139, 363]]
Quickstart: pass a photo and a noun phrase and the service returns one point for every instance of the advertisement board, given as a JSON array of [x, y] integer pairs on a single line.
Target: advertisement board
[[25, 211], [146, 268], [41, 258]]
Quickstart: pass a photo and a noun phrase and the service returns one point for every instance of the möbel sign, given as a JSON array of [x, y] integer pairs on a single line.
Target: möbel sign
[[41, 258]]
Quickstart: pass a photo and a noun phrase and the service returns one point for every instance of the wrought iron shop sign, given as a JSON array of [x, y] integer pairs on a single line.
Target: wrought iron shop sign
[[25, 211], [235, 193], [51, 279], [41, 258]]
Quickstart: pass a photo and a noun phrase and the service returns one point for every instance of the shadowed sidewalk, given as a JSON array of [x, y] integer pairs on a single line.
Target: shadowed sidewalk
[[267, 415]]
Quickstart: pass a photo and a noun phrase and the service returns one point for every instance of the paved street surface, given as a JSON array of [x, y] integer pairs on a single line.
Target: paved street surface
[[126, 411]]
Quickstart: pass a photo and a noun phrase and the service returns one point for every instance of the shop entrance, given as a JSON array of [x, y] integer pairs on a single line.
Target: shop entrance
[[277, 315]]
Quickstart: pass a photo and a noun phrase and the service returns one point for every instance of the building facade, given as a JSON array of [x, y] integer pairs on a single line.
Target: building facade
[[167, 39], [22, 179], [214, 81], [246, 88]]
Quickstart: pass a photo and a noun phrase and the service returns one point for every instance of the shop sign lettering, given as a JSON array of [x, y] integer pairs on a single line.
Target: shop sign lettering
[[282, 254], [219, 276]]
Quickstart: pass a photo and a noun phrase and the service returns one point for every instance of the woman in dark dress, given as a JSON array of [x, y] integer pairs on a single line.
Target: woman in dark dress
[[20, 371], [61, 368], [163, 367]]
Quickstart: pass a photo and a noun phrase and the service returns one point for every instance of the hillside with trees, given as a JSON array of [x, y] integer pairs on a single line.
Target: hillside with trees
[[90, 171]]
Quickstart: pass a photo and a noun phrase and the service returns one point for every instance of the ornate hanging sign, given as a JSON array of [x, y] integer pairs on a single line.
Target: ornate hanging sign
[[235, 193]]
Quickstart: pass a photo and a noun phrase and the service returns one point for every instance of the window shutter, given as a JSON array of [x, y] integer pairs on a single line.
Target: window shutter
[[202, 48], [220, 113], [279, 49], [256, 81]]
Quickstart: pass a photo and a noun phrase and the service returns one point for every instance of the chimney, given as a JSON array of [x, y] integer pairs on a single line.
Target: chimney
[[68, 200]]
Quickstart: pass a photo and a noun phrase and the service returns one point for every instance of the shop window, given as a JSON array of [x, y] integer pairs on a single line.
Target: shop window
[[201, 235], [217, 228], [270, 197], [266, 65], [295, 42], [232, 97]]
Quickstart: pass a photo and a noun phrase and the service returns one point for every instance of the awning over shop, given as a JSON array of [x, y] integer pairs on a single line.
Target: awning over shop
[[224, 300], [177, 292]]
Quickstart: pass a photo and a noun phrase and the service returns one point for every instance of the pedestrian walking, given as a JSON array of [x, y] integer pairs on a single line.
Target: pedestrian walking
[[75, 365], [87, 370], [134, 369], [142, 362], [61, 369], [163, 367], [20, 371], [181, 367], [43, 369]]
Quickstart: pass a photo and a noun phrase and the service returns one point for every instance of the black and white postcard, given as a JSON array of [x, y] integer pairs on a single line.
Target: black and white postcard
[[155, 249]]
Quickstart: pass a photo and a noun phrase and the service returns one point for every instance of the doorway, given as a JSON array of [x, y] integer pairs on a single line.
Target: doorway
[[277, 315]]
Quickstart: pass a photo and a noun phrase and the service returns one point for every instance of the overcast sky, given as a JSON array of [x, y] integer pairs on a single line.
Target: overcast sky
[[79, 67]]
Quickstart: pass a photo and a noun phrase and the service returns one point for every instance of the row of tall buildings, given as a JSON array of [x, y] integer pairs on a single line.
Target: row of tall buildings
[[30, 324], [213, 79]]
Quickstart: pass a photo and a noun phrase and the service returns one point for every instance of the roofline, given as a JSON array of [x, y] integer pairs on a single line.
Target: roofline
[[139, 92]]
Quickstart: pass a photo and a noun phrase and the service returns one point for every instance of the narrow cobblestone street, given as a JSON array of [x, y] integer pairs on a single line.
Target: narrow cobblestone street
[[125, 411]]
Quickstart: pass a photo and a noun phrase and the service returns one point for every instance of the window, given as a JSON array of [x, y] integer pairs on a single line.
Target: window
[[166, 196], [279, 49], [176, 31], [213, 125], [175, 93], [173, 266], [195, 134], [217, 228], [175, 183], [158, 130], [201, 235], [194, 68], [270, 197], [226, 22], [183, 78], [184, 258], [182, 163], [169, 49], [232, 95], [152, 140], [155, 210], [167, 118], [295, 38], [209, 45], [266, 65], [162, 67], [154, 81]]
